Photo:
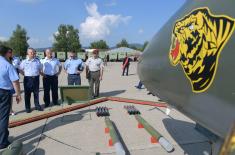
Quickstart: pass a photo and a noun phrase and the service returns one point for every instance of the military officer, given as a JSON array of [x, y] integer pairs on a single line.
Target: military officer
[[74, 67], [9, 80], [31, 69], [51, 70], [94, 73]]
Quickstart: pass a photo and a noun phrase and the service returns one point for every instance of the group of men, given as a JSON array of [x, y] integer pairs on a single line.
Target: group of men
[[94, 71], [31, 68], [49, 68]]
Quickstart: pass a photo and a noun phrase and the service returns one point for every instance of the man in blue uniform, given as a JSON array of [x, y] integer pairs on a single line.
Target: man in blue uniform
[[74, 67], [31, 69], [15, 61], [51, 70], [9, 80]]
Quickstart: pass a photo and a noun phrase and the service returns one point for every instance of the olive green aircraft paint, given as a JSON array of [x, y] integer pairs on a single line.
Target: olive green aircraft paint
[[190, 63], [16, 148]]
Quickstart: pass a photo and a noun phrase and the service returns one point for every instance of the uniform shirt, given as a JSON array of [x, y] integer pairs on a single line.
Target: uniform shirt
[[73, 65], [16, 62], [50, 66], [31, 67], [8, 74], [94, 64]]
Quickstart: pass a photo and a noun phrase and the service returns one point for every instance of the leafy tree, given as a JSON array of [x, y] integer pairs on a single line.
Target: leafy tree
[[101, 44], [18, 41], [123, 43], [5, 43], [144, 46], [66, 39], [136, 47]]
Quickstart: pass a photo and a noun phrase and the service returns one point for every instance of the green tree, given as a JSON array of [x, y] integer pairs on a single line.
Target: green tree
[[66, 39], [134, 47], [123, 43], [144, 46], [18, 41], [101, 44], [5, 43]]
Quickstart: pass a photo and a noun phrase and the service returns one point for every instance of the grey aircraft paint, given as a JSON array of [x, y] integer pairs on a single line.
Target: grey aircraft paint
[[213, 107]]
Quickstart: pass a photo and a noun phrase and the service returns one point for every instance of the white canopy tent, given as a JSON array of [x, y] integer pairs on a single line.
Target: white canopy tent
[[129, 51], [121, 53]]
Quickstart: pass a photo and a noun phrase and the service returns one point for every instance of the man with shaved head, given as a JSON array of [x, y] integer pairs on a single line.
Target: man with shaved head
[[51, 68]]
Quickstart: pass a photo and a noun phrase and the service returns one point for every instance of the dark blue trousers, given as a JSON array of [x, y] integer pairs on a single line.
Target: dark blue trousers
[[50, 83], [125, 69], [74, 79], [31, 85], [140, 85], [5, 106]]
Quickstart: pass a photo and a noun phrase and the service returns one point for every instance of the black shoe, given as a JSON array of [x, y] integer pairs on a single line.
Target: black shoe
[[39, 109], [28, 110], [4, 145], [56, 103], [47, 105]]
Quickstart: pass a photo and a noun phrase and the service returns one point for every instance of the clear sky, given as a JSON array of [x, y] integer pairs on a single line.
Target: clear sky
[[111, 20]]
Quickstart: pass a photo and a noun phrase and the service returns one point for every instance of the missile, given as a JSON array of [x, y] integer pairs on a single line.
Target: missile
[[153, 132]]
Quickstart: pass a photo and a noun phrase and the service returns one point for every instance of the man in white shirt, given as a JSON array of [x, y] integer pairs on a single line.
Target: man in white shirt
[[94, 73], [51, 68], [31, 69]]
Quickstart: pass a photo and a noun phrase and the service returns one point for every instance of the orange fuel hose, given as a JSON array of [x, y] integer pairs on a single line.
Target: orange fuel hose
[[126, 100], [54, 113], [16, 123]]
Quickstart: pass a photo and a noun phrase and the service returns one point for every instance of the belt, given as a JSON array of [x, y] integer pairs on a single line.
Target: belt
[[74, 74], [32, 76], [50, 75], [5, 90], [94, 71]]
